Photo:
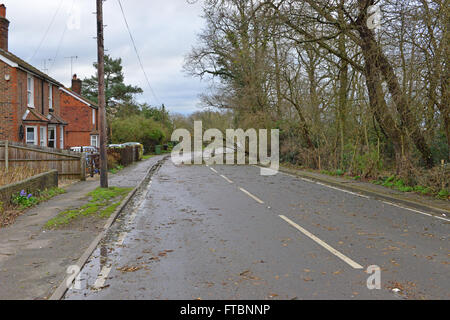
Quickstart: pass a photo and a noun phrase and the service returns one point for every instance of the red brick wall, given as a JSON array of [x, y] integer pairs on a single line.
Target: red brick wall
[[77, 139], [20, 84], [22, 95], [13, 102], [7, 107], [79, 117]]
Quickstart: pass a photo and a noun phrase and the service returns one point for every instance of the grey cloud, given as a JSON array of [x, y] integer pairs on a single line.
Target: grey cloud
[[164, 32]]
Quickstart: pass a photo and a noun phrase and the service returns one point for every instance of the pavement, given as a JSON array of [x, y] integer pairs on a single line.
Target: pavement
[[226, 232], [33, 261]]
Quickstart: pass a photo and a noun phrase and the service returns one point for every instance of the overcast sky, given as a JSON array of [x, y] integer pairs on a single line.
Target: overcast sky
[[164, 31]]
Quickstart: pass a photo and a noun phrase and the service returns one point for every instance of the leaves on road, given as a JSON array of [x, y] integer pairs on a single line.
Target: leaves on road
[[129, 268]]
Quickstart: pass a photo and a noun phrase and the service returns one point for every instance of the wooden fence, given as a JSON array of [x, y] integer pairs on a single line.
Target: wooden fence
[[71, 165], [123, 156]]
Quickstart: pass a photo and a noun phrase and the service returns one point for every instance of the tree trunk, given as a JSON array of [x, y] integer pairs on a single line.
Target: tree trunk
[[370, 47]]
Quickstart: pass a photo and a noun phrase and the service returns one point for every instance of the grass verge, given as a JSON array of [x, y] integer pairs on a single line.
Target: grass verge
[[116, 169], [103, 202]]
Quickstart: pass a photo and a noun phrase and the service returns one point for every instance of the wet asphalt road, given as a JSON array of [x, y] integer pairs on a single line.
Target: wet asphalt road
[[199, 232]]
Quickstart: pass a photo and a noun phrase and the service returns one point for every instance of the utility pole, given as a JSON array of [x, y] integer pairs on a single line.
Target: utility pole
[[101, 96]]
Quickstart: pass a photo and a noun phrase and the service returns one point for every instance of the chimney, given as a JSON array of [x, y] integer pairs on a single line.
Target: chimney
[[4, 26], [76, 84]]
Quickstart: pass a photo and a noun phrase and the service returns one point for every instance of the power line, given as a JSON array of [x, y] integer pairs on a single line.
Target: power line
[[59, 47], [61, 40], [137, 53], [48, 29]]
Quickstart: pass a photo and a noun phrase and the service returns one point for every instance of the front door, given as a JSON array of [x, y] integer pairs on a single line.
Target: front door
[[43, 136], [52, 137]]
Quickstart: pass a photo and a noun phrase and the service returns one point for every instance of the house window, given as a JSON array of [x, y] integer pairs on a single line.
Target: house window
[[61, 138], [52, 137], [30, 91], [43, 136], [94, 141], [50, 97], [93, 116], [31, 137]]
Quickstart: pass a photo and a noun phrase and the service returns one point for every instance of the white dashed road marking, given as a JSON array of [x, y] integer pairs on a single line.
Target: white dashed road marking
[[349, 261], [251, 196], [228, 180]]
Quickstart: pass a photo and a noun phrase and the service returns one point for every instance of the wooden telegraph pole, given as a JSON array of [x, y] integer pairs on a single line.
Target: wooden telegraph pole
[[101, 97]]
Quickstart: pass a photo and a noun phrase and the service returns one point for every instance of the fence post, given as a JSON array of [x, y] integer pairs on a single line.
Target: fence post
[[6, 156], [83, 167]]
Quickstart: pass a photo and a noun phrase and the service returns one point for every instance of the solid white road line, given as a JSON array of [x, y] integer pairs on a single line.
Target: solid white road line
[[251, 196], [325, 185], [417, 211], [343, 190], [229, 181], [214, 170], [366, 197], [349, 261]]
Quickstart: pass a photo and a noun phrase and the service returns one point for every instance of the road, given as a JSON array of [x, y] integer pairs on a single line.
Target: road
[[226, 232]]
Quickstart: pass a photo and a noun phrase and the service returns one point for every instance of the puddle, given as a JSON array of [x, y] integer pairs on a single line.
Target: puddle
[[95, 273]]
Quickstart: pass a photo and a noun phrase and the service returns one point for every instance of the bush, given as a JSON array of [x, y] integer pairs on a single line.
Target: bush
[[138, 129], [367, 164], [443, 194]]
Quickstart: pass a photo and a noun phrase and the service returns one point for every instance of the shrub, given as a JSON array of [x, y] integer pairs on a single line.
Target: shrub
[[406, 189], [138, 129], [443, 194], [399, 183], [367, 164]]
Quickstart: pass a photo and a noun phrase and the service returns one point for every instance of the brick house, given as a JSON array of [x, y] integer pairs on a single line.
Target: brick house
[[29, 99], [82, 116]]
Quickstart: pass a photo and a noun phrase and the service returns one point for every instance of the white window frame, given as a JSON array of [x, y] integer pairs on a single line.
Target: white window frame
[[96, 140], [93, 116], [61, 137], [50, 97], [35, 141], [56, 137], [43, 136], [30, 91]]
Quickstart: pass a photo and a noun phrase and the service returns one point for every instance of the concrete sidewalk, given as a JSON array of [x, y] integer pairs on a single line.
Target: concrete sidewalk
[[410, 199], [32, 260]]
